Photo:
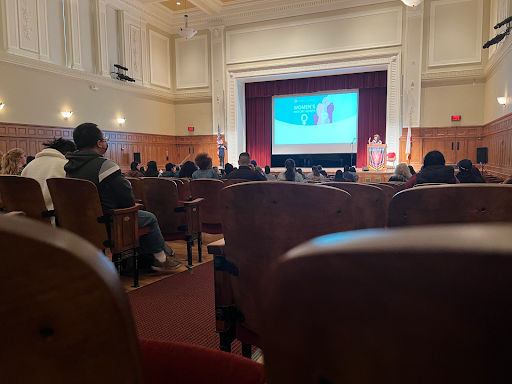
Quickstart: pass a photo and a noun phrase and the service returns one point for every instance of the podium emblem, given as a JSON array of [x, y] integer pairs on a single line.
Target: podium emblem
[[377, 157]]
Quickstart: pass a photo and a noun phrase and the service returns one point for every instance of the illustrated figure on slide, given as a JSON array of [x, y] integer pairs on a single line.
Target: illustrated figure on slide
[[324, 112]]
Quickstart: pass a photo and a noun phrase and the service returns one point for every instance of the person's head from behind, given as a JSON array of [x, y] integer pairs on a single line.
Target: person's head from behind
[[253, 162], [319, 167], [299, 170], [433, 158], [352, 169], [403, 170], [152, 166], [12, 161], [346, 168], [169, 167], [339, 176], [228, 168], [89, 136], [188, 169], [290, 170], [267, 169], [134, 165], [315, 170], [244, 159], [61, 145], [203, 161], [465, 166]]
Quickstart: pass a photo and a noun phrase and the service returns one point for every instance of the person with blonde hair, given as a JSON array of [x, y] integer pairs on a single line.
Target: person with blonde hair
[[13, 161], [402, 173]]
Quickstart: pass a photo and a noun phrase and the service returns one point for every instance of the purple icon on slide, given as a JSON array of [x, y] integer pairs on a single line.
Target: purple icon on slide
[[324, 112]]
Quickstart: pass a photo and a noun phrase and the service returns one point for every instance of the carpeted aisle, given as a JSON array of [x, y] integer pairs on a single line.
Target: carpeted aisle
[[179, 308]]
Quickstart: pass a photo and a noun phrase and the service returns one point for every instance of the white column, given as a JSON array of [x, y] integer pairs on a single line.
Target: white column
[[101, 41], [413, 64], [218, 79], [73, 45], [42, 25], [145, 53]]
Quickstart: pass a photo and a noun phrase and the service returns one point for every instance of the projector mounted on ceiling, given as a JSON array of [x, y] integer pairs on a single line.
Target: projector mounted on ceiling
[[187, 32]]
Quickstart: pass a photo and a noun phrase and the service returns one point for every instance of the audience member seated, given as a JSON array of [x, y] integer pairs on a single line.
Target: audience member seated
[[187, 170], [142, 170], [205, 171], [290, 174], [246, 170], [13, 161], [228, 168], [353, 171], [268, 175], [49, 163], [402, 173], [152, 170], [29, 160], [170, 171], [260, 171], [299, 171], [347, 175], [114, 190], [338, 177], [322, 172], [434, 170], [466, 174], [475, 171], [315, 175], [134, 172], [411, 169]]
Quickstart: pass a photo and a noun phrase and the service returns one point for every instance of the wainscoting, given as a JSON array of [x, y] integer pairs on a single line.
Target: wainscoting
[[160, 148]]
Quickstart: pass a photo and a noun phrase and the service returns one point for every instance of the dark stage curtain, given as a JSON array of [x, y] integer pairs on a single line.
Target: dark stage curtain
[[372, 108]]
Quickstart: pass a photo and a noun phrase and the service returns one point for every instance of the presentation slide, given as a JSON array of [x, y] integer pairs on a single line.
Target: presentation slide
[[315, 123]]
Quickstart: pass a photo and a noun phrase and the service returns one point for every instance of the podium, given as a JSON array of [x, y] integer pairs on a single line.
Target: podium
[[377, 155]]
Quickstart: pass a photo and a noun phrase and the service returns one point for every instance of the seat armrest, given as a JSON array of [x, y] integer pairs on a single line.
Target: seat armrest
[[124, 228], [123, 211], [217, 248], [197, 201], [193, 216]]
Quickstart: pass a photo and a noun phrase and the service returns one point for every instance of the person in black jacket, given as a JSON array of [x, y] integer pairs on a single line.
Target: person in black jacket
[[246, 170], [466, 174], [114, 190]]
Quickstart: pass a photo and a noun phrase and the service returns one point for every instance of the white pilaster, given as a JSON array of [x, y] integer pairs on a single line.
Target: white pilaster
[[42, 25], [101, 41], [145, 55], [73, 44], [218, 78]]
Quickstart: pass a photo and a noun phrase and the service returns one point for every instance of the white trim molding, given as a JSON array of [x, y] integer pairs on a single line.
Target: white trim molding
[[276, 28], [235, 130], [477, 58], [178, 46], [453, 75], [73, 41]]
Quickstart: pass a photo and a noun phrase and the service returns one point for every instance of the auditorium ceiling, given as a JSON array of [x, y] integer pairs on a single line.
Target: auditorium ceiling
[[180, 5]]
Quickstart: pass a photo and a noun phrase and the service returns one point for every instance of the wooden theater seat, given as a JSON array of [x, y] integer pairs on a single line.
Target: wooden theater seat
[[388, 190], [369, 204], [183, 190], [411, 305], [135, 181], [66, 319], [208, 189], [78, 208], [261, 221], [24, 194], [450, 204], [177, 221], [234, 181]]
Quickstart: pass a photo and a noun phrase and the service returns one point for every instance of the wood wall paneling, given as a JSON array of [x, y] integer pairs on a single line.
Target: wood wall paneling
[[122, 145]]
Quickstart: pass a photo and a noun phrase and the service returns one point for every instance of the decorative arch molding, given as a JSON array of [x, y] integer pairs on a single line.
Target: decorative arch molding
[[237, 78]]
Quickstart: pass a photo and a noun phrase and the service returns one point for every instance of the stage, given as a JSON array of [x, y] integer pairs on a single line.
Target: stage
[[364, 176]]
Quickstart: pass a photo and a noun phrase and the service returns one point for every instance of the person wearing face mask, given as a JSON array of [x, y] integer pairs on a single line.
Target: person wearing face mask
[[114, 190]]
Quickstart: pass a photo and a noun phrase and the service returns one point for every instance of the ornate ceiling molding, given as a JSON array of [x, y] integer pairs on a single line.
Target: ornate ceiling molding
[[452, 75]]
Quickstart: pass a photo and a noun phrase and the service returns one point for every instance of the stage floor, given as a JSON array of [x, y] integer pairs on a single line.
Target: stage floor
[[364, 176]]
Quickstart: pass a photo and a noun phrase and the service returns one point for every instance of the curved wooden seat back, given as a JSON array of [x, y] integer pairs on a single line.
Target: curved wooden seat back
[[182, 191], [209, 190], [388, 190], [186, 186], [392, 306], [234, 181], [66, 318], [449, 204], [263, 220], [23, 194], [397, 185], [160, 197], [78, 208], [136, 187], [369, 204]]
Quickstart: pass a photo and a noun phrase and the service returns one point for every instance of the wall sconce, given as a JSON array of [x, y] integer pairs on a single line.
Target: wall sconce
[[502, 100], [66, 114], [2, 106], [121, 120]]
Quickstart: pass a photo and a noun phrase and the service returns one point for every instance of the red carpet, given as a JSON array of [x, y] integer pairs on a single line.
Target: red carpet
[[180, 308]]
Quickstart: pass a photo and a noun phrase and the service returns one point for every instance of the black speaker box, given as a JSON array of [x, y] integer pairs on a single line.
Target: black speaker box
[[482, 155], [136, 157], [366, 169]]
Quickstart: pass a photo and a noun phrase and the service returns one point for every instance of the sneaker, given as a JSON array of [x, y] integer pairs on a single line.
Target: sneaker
[[168, 265]]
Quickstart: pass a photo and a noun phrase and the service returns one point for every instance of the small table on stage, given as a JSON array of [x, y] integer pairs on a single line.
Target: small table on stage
[[377, 155]]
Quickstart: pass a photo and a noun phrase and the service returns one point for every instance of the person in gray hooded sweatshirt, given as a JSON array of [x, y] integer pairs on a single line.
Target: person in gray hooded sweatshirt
[[114, 190]]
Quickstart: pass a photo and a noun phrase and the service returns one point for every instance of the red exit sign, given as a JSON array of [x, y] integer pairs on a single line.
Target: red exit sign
[[190, 128], [456, 118]]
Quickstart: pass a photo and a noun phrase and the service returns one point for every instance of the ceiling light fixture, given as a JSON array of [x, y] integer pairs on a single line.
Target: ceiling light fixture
[[412, 3], [2, 106], [187, 32], [121, 120], [66, 114], [502, 100]]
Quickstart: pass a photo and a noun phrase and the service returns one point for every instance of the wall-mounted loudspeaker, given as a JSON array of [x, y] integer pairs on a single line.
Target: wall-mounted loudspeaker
[[482, 155], [136, 157]]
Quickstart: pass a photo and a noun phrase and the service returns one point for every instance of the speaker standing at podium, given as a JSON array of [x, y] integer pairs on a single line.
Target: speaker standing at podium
[[376, 140]]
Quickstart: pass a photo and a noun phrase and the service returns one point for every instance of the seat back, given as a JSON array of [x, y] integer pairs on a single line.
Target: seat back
[[66, 318], [414, 305], [263, 220], [369, 204], [234, 181], [186, 189], [209, 190], [160, 197], [23, 194], [136, 187], [450, 204], [388, 190], [78, 208]]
